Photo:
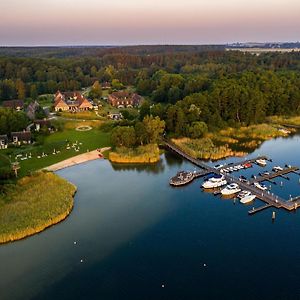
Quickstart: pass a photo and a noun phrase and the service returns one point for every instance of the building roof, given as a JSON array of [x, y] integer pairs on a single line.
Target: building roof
[[22, 135], [71, 99], [125, 96], [4, 137], [43, 122], [13, 104]]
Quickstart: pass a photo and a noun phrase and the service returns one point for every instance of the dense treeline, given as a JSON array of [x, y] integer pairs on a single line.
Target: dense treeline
[[189, 70], [195, 88], [11, 120], [246, 98]]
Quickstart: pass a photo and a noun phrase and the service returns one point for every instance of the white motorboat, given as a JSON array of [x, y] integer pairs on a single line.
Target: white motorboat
[[261, 162], [247, 199], [243, 194], [218, 166], [214, 182], [230, 189], [260, 186], [277, 169]]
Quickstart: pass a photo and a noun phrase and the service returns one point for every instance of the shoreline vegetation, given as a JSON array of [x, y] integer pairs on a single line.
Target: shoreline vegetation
[[285, 121], [229, 142], [139, 155], [28, 208]]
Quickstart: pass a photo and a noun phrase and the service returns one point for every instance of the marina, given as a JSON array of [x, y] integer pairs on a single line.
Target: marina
[[254, 186]]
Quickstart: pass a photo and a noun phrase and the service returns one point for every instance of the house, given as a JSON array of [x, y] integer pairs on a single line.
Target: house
[[21, 137], [42, 124], [14, 104], [3, 141], [106, 85], [71, 101], [32, 109], [123, 99]]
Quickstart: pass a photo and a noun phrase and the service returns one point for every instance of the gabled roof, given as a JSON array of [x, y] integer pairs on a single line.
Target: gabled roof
[[22, 135]]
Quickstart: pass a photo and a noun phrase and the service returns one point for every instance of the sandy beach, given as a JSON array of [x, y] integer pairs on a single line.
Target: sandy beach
[[75, 160]]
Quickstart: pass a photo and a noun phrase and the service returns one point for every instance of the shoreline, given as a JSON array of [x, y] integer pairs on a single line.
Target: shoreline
[[76, 160], [59, 219], [9, 236]]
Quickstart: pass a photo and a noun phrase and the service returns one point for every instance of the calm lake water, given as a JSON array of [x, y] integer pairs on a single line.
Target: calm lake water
[[138, 238]]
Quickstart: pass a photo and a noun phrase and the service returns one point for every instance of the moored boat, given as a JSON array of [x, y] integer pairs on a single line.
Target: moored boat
[[261, 162], [247, 199], [243, 194], [214, 182], [247, 165], [277, 169], [260, 186], [181, 178], [230, 189]]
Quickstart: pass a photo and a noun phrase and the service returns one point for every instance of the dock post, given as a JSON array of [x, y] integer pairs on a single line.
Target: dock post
[[273, 215], [295, 205]]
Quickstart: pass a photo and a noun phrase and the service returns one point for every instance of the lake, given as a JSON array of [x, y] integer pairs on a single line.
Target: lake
[[132, 236]]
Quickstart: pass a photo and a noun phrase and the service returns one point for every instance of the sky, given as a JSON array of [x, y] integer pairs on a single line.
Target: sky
[[131, 22]]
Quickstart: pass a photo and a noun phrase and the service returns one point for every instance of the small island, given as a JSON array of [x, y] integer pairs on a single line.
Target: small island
[[139, 155]]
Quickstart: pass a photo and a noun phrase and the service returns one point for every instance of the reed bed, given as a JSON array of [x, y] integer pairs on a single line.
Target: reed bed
[[204, 148], [33, 204], [142, 154]]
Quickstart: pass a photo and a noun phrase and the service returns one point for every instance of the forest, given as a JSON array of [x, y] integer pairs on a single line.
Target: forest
[[189, 87]]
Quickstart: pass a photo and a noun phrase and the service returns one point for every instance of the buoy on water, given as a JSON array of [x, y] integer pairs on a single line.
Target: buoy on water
[[273, 215]]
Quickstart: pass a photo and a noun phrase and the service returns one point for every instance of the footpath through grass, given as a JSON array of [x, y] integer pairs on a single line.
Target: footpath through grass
[[33, 204]]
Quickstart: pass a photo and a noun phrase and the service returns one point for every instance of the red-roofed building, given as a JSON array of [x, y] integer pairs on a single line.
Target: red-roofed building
[[71, 101], [124, 99], [14, 104]]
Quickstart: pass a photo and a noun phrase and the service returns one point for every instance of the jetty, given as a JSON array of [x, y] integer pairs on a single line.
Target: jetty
[[273, 175], [270, 199]]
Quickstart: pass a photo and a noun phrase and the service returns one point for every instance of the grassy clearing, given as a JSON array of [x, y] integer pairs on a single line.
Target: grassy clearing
[[86, 141], [141, 154], [28, 207], [82, 115]]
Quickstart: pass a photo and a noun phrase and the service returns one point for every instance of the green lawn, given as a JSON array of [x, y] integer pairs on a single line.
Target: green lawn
[[45, 100], [90, 140]]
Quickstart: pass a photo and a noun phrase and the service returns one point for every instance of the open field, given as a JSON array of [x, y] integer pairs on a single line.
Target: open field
[[66, 144], [82, 115], [28, 207]]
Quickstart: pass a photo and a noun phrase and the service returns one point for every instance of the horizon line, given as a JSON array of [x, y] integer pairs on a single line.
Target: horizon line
[[143, 44]]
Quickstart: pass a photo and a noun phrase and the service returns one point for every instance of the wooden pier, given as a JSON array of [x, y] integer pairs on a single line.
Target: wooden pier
[[269, 198], [274, 175], [258, 209]]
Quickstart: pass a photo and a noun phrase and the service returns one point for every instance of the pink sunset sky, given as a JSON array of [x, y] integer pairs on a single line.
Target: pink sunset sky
[[124, 22]]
